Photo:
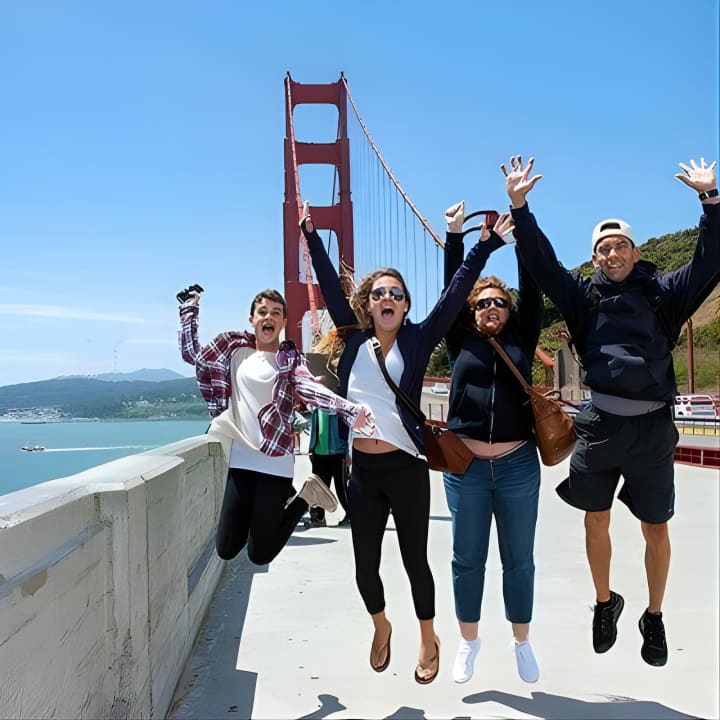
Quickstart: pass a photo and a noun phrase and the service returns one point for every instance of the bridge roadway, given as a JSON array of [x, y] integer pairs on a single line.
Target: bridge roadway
[[291, 640]]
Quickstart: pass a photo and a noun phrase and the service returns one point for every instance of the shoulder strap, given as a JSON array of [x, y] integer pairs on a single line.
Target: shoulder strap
[[501, 352], [404, 399]]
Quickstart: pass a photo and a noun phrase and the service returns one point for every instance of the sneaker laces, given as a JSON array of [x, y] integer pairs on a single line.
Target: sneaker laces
[[604, 619], [654, 630]]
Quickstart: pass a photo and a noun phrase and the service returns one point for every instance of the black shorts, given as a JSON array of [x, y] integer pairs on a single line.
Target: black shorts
[[641, 448]]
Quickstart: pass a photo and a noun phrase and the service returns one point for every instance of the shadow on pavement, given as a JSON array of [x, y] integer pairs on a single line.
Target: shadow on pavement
[[559, 707], [329, 704], [211, 685]]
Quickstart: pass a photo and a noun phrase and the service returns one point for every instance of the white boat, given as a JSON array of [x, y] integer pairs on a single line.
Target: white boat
[[32, 448]]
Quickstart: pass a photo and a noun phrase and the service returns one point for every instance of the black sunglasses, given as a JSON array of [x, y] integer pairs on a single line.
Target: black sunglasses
[[485, 303], [394, 292]]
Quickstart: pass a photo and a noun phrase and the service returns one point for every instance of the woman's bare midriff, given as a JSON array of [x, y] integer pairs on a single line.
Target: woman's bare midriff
[[486, 451], [373, 447]]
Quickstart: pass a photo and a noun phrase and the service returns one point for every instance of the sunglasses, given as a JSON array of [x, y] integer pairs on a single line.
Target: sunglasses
[[485, 303], [381, 292]]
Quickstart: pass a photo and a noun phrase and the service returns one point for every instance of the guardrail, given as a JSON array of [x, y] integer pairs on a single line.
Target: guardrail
[[697, 426], [702, 456]]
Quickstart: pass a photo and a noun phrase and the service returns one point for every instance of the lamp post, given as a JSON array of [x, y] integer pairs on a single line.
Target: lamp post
[[691, 357]]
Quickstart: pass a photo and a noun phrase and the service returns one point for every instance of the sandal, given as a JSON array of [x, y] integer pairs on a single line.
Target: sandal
[[435, 659], [383, 666]]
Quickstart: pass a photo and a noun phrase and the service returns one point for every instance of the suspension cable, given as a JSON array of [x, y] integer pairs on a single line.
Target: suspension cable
[[389, 172]]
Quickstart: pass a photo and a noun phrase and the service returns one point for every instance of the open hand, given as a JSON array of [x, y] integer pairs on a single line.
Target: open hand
[[455, 217], [364, 422], [699, 177], [518, 183], [503, 226]]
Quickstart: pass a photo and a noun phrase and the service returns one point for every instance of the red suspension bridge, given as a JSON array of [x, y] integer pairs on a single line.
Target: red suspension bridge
[[394, 232]]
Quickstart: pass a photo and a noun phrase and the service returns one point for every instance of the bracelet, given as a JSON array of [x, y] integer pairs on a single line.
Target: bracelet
[[708, 194]]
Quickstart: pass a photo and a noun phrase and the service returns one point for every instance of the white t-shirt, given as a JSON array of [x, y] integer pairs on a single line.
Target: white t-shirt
[[253, 376], [367, 385]]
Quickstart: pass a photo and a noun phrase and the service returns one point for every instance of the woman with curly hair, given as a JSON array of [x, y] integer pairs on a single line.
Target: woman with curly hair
[[489, 410], [389, 469]]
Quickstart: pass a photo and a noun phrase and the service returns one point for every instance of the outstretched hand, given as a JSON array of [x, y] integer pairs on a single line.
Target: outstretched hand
[[364, 422], [306, 217], [455, 217], [518, 183], [699, 177]]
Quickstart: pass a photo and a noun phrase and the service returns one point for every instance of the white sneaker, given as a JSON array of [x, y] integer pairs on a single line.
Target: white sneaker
[[317, 494], [526, 664], [465, 660]]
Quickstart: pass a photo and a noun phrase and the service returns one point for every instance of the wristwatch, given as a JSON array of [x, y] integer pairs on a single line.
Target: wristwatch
[[708, 194]]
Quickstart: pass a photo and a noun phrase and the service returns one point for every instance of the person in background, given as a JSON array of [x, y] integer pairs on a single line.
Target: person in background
[[624, 321], [328, 449], [489, 410], [250, 382], [389, 469]]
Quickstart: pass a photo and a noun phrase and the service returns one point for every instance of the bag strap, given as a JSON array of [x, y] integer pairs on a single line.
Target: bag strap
[[404, 399], [501, 352]]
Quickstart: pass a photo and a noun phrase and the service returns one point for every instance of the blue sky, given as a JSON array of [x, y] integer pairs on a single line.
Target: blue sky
[[141, 143]]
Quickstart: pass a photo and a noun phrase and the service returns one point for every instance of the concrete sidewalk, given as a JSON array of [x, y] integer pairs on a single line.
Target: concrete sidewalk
[[291, 640]]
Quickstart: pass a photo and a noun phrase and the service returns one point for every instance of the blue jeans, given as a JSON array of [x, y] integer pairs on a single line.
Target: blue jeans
[[507, 488]]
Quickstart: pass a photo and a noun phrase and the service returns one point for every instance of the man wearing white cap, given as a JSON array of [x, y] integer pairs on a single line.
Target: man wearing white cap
[[624, 321]]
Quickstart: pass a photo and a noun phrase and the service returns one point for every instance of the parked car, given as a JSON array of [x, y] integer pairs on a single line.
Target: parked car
[[440, 389], [702, 407]]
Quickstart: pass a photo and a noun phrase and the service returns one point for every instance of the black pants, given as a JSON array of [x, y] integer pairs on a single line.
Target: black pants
[[379, 483], [330, 468], [253, 513]]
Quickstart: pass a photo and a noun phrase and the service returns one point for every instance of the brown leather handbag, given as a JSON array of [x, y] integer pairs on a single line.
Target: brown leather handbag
[[554, 428], [444, 449]]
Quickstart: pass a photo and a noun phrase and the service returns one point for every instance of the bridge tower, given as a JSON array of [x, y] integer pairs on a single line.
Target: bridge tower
[[338, 217]]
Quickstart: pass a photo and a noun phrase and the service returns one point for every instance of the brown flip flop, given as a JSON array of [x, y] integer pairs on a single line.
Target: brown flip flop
[[386, 662], [427, 680]]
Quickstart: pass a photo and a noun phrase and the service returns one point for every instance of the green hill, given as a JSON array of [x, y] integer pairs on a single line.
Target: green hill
[[89, 397]]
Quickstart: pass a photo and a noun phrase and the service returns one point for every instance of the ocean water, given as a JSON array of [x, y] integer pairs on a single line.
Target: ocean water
[[73, 447]]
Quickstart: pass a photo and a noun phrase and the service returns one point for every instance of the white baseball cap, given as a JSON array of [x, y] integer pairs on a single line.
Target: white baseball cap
[[611, 226]]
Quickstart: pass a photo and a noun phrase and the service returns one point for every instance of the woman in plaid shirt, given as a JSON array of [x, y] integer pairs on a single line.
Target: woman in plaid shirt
[[250, 382]]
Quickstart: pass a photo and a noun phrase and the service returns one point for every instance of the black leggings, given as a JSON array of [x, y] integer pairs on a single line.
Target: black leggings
[[253, 513], [329, 468], [379, 483]]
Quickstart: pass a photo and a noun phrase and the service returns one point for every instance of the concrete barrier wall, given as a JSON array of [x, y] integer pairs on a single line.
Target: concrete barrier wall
[[105, 577]]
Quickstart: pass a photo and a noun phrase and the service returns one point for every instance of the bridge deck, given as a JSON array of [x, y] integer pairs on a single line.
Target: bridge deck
[[291, 640]]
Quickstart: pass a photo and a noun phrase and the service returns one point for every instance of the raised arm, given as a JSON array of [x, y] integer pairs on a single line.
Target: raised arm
[[534, 249], [327, 276], [188, 335], [530, 309], [453, 297], [690, 284]]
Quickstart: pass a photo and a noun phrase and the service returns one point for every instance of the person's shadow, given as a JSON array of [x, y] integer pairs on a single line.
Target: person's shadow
[[559, 707], [329, 704]]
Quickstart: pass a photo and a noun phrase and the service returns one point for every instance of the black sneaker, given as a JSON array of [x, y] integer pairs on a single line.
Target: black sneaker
[[654, 647], [315, 523], [605, 622]]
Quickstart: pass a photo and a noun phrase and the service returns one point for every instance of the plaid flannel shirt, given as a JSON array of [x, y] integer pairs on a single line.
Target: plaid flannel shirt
[[294, 380]]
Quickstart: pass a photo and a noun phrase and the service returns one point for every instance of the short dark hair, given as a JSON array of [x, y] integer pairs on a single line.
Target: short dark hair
[[268, 294]]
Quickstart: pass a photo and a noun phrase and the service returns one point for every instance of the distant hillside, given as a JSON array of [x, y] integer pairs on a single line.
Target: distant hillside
[[146, 374], [668, 252], [90, 397]]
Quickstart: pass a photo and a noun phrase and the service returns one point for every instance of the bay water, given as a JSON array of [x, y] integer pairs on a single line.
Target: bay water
[[71, 447]]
